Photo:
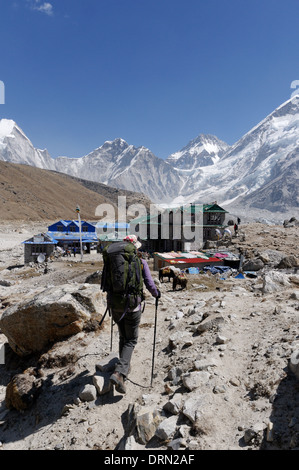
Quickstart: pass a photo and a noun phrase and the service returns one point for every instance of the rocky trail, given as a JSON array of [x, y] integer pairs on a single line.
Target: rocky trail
[[223, 376]]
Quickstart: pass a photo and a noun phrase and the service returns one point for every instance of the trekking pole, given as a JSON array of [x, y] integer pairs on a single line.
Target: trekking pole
[[111, 335], [154, 346]]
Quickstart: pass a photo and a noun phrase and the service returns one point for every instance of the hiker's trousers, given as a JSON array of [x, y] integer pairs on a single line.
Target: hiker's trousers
[[128, 329]]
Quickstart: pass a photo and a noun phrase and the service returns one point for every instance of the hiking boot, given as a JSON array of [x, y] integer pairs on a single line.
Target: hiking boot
[[118, 381]]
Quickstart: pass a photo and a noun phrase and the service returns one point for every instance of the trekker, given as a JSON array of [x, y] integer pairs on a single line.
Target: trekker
[[129, 318]]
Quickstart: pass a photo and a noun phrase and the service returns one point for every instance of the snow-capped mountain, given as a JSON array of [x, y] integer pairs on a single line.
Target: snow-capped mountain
[[118, 164], [202, 151], [260, 170], [267, 152], [15, 147], [115, 163], [281, 193]]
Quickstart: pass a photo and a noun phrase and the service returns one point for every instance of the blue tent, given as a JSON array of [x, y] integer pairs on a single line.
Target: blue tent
[[240, 276]]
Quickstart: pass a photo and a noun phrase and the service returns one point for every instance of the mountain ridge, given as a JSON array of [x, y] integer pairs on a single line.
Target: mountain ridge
[[205, 169], [54, 195]]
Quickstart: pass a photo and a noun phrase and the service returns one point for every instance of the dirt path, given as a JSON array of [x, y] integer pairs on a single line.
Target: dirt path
[[249, 388]]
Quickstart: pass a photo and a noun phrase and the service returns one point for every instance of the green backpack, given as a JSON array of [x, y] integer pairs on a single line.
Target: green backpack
[[122, 277]]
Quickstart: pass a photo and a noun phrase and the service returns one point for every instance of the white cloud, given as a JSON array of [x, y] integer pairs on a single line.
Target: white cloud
[[43, 7]]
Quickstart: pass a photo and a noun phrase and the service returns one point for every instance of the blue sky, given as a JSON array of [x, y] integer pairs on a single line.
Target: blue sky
[[156, 73]]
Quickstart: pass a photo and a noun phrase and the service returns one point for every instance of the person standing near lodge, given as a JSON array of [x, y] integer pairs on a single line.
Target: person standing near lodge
[[125, 308]]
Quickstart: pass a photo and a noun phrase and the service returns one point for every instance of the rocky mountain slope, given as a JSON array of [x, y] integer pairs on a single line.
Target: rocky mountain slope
[[30, 193], [222, 375]]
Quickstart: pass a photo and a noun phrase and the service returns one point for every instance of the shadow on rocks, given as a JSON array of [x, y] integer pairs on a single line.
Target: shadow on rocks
[[284, 419]]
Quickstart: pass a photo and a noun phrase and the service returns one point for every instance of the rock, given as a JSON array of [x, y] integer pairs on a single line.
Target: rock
[[94, 278], [180, 338], [168, 390], [129, 443], [175, 373], [219, 389], [102, 383], [22, 391], [294, 279], [174, 405], [235, 382], [194, 380], [270, 432], [294, 363], [249, 434], [5, 283], [221, 339], [108, 363], [254, 434], [196, 309], [192, 406], [295, 295], [274, 281], [51, 315], [271, 257], [146, 422], [142, 421], [59, 446], [66, 409], [88, 393], [288, 262], [177, 444], [196, 318], [210, 322], [179, 314], [254, 264], [204, 364], [167, 428]]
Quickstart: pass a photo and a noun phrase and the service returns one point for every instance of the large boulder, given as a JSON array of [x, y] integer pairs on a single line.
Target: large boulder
[[22, 391], [288, 262], [51, 315], [274, 281]]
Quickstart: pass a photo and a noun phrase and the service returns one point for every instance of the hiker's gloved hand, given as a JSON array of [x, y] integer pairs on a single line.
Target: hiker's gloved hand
[[159, 294]]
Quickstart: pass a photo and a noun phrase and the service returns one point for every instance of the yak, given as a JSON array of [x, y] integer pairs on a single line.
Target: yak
[[180, 280], [166, 272]]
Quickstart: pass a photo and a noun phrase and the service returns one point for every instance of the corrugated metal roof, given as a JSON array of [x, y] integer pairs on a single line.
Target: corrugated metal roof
[[62, 236], [115, 236], [113, 225], [41, 239]]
